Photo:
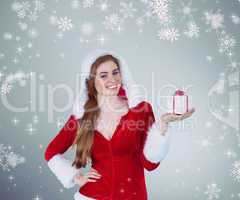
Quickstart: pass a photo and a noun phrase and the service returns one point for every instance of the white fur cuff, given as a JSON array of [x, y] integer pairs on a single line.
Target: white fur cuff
[[63, 170], [156, 145]]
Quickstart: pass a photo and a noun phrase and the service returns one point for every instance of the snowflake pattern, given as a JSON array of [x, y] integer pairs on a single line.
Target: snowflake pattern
[[214, 19], [170, 34], [64, 24], [192, 30], [212, 191], [8, 159]]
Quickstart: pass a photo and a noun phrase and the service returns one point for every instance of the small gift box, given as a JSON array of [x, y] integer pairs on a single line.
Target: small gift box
[[180, 102]]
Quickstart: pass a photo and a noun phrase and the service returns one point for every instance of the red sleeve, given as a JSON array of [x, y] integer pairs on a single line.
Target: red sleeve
[[149, 119], [63, 140]]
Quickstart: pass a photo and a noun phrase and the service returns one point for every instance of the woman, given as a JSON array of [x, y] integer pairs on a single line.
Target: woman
[[114, 129]]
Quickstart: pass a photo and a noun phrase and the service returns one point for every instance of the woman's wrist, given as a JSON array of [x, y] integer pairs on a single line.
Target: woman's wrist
[[163, 126]]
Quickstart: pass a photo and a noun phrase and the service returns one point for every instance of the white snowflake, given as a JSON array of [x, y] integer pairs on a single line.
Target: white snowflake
[[230, 153], [161, 9], [32, 16], [88, 3], [9, 159], [212, 191], [33, 33], [65, 24], [104, 5], [5, 88], [127, 9], [39, 5], [186, 9], [75, 4], [16, 6], [226, 43], [192, 30], [235, 19], [235, 171], [7, 36], [170, 34], [112, 21], [214, 19], [23, 26]]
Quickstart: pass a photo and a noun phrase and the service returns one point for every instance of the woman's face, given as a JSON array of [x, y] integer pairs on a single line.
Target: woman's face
[[108, 79]]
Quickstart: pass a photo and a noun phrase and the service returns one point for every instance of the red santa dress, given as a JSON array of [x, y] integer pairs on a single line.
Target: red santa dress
[[136, 144]]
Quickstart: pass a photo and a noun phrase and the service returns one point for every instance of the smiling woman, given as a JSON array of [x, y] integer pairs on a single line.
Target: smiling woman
[[104, 128]]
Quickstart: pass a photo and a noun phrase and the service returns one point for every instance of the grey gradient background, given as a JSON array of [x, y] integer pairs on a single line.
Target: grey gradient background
[[197, 160]]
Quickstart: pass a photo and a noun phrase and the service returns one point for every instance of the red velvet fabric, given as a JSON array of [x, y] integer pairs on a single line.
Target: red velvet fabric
[[120, 160]]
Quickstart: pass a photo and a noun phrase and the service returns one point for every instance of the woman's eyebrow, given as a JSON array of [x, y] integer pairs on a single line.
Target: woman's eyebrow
[[103, 72]]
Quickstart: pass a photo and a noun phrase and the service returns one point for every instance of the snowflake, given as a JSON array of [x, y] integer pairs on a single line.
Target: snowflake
[[32, 16], [16, 6], [9, 159], [226, 43], [88, 3], [186, 10], [65, 24], [212, 191], [235, 19], [19, 50], [23, 26], [37, 197], [161, 9], [39, 5], [75, 4], [104, 5], [235, 172], [6, 88], [24, 9], [192, 31], [33, 33], [112, 21], [127, 9], [21, 14], [230, 153], [170, 34], [215, 20], [7, 36]]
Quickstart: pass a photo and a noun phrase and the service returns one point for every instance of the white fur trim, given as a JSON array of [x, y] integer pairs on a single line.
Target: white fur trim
[[133, 91], [79, 196], [63, 170], [156, 146]]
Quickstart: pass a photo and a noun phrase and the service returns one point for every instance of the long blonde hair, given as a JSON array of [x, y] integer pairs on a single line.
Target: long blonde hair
[[85, 132]]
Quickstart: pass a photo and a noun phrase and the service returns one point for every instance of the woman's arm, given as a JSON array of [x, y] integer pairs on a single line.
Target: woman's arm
[[154, 142], [60, 166]]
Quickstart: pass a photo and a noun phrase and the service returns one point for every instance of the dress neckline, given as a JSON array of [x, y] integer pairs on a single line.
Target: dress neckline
[[116, 129]]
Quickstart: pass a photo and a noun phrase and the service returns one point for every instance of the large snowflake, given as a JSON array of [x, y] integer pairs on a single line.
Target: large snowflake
[[170, 34], [161, 9], [214, 19], [9, 159], [212, 191]]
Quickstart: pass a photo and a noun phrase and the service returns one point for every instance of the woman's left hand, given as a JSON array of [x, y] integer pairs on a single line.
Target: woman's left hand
[[171, 117]]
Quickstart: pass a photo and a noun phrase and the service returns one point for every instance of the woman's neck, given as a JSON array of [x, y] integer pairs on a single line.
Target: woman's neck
[[110, 103]]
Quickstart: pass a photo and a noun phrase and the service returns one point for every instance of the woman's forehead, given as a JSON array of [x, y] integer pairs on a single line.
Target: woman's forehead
[[107, 66]]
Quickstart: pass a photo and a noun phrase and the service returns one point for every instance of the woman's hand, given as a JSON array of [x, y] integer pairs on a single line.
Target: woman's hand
[[170, 117], [90, 176]]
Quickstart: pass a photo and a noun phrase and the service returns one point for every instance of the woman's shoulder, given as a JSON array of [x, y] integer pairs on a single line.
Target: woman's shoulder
[[144, 106]]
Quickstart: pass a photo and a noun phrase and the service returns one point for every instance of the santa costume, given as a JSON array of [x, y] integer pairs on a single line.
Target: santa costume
[[120, 160]]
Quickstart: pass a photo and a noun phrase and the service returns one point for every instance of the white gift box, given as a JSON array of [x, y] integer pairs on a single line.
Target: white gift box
[[180, 102]]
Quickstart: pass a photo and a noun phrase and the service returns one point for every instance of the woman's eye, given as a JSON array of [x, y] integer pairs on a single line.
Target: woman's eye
[[103, 76], [116, 72]]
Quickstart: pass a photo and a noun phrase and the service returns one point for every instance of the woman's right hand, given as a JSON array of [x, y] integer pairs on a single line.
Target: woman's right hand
[[90, 176]]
